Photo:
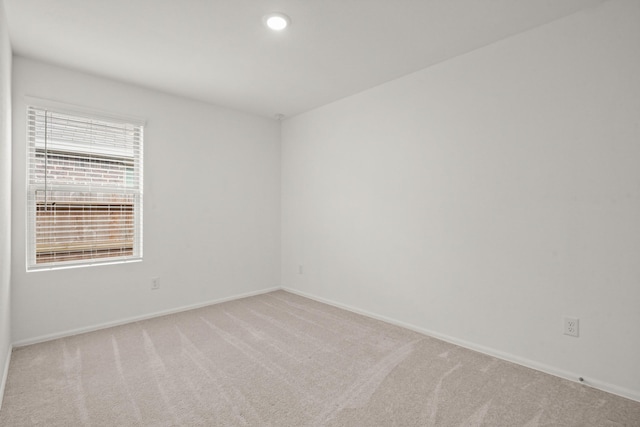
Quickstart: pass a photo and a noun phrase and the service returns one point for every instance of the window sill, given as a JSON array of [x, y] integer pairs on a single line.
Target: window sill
[[71, 264]]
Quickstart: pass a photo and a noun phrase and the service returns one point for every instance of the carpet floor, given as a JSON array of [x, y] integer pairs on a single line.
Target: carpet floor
[[282, 360]]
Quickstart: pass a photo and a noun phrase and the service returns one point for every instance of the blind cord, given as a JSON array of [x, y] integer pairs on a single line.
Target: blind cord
[[46, 161]]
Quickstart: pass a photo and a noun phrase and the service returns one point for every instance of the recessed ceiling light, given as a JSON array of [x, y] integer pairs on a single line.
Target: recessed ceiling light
[[276, 21]]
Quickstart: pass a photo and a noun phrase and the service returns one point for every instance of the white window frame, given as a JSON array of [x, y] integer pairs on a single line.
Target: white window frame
[[31, 187]]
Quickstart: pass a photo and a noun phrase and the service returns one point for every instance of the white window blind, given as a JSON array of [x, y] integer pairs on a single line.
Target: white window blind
[[84, 201]]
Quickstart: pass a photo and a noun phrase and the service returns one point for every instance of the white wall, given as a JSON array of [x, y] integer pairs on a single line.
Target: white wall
[[211, 208], [484, 198], [5, 196]]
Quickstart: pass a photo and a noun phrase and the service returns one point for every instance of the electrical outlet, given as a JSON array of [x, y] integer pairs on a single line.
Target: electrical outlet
[[571, 326], [300, 269], [155, 283]]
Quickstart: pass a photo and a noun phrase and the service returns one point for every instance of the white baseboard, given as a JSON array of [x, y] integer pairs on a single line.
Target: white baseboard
[[571, 376], [5, 374], [119, 322]]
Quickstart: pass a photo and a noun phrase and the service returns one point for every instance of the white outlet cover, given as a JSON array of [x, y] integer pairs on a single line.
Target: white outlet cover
[[571, 326]]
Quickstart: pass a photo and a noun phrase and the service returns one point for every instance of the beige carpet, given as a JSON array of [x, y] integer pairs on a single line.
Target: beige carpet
[[282, 360]]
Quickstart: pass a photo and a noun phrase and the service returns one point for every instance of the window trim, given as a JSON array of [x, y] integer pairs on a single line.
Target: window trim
[[31, 205]]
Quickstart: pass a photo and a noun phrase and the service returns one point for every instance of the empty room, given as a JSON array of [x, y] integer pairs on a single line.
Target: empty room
[[320, 213]]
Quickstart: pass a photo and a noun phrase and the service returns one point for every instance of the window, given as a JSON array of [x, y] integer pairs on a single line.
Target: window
[[84, 201]]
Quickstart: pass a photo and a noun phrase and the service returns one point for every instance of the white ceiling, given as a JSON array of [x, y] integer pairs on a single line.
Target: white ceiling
[[219, 51]]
